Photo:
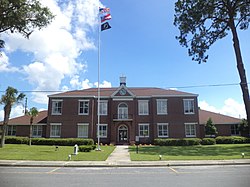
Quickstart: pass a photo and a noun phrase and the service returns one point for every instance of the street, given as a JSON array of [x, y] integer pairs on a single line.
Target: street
[[228, 176]]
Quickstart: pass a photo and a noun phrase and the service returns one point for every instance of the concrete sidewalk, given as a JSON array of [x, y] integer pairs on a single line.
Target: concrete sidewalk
[[120, 158]]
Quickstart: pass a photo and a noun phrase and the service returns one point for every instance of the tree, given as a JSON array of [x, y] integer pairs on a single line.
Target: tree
[[23, 16], [244, 128], [10, 98], [202, 23], [210, 128], [32, 113]]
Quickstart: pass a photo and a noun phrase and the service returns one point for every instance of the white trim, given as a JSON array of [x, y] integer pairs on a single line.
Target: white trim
[[143, 101], [158, 124], [191, 136], [143, 124], [82, 124], [55, 124], [82, 114], [106, 130], [159, 112], [188, 113]]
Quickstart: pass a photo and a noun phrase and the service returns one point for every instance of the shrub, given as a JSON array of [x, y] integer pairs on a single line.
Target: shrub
[[231, 140], [208, 141], [177, 142], [16, 140], [50, 141], [86, 148]]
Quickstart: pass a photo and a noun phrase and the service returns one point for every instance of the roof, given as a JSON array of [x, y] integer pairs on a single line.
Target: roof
[[25, 119], [216, 118], [137, 92]]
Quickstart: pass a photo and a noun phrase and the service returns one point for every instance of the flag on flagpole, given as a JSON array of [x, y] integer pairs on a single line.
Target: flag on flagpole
[[105, 26], [105, 18], [104, 10]]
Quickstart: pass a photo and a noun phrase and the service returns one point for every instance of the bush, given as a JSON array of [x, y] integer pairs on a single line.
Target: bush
[[16, 140], [177, 142], [231, 140], [86, 148], [49, 141], [62, 141], [208, 141]]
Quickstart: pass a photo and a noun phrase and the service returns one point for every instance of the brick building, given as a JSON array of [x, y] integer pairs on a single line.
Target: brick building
[[125, 113]]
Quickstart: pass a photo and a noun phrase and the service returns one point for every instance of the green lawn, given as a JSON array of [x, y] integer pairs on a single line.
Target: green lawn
[[36, 152], [209, 152]]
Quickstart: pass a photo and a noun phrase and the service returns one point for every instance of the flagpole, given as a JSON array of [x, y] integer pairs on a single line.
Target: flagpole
[[98, 97]]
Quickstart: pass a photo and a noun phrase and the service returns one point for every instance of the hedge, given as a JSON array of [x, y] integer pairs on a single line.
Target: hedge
[[208, 141], [16, 140], [177, 142], [49, 141], [86, 148], [231, 140]]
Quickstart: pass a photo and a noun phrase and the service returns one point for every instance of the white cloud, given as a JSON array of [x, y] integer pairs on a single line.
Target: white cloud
[[57, 47], [230, 108], [104, 84], [5, 65], [16, 111]]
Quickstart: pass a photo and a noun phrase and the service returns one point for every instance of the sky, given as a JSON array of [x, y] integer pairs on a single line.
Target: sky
[[141, 45]]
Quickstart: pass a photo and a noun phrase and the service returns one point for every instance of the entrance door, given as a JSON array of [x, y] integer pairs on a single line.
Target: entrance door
[[123, 134]]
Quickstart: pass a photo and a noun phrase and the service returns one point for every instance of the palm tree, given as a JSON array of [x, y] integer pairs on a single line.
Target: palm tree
[[32, 113], [10, 98]]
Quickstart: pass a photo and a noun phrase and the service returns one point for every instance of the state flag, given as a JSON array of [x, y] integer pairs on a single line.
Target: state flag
[[105, 18], [105, 26]]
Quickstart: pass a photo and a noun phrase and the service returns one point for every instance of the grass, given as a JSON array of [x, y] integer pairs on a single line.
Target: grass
[[46, 153], [209, 152]]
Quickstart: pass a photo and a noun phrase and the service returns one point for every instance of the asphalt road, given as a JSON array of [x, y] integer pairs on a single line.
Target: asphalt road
[[228, 176]]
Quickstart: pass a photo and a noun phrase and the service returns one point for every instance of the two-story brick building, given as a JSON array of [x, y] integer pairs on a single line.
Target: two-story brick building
[[125, 113]]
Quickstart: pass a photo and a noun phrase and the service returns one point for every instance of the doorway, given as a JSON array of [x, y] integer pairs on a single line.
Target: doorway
[[123, 134]]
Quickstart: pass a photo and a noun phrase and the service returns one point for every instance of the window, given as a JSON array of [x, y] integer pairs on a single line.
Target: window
[[188, 106], [143, 130], [83, 130], [103, 107], [37, 130], [11, 130], [143, 107], [83, 107], [56, 107], [235, 129], [103, 130], [190, 129], [162, 106], [55, 130], [123, 111], [162, 129]]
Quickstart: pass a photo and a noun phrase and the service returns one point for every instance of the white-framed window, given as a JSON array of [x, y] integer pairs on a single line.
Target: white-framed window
[[144, 130], [83, 107], [55, 130], [56, 107], [162, 106], [11, 130], [143, 107], [37, 130], [188, 106], [83, 130], [162, 129], [103, 130], [123, 111], [103, 108], [190, 129]]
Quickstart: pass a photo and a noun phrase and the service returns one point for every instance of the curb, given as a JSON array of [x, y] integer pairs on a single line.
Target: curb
[[8, 163]]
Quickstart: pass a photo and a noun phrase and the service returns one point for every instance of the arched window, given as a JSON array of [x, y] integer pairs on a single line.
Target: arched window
[[122, 111]]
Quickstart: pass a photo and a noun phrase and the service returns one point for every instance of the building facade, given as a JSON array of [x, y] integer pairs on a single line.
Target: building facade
[[126, 114]]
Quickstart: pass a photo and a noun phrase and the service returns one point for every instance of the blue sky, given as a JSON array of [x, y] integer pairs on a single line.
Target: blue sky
[[140, 45]]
